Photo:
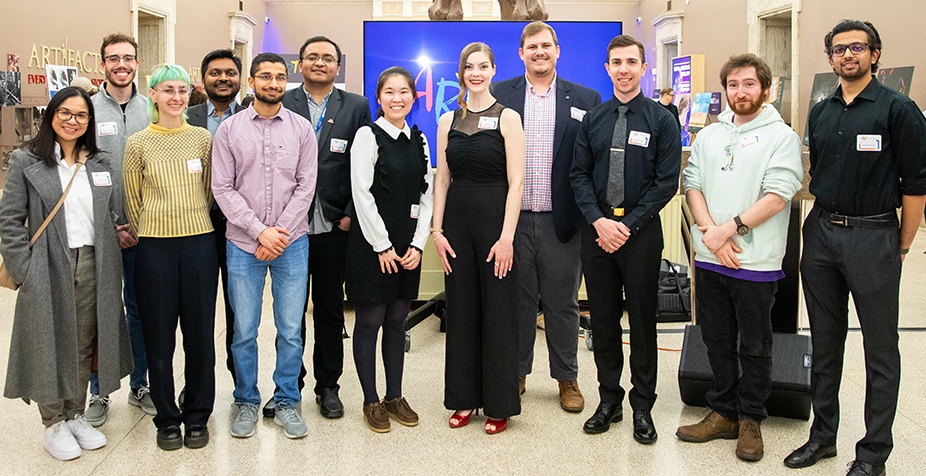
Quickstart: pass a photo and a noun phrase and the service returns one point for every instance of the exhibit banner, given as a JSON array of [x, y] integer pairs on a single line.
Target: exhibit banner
[[681, 83], [58, 77]]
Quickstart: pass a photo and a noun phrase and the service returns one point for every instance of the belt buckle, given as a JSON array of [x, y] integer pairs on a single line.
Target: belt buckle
[[840, 220], [617, 212]]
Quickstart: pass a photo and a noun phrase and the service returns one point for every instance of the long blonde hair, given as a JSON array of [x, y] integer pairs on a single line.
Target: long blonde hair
[[469, 49]]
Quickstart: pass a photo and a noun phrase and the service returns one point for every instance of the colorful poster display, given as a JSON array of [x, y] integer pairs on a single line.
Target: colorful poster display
[[681, 83], [58, 77]]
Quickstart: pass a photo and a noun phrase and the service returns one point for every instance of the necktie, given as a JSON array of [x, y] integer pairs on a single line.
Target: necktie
[[615, 192]]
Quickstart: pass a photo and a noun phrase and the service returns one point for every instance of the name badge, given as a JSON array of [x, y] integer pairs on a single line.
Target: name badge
[[106, 129], [415, 209], [748, 141], [639, 138], [868, 143], [195, 166], [577, 114], [488, 123], [338, 146], [102, 179]]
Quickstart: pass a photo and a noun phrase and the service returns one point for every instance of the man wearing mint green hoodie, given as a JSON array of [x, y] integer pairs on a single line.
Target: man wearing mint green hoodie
[[742, 173]]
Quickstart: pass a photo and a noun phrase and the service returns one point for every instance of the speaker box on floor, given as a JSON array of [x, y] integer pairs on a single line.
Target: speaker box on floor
[[791, 360]]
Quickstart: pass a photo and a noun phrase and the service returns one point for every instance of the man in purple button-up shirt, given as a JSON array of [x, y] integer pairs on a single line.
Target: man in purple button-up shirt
[[264, 166]]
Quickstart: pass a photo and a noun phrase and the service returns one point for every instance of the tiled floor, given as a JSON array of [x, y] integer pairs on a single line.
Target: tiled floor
[[543, 440]]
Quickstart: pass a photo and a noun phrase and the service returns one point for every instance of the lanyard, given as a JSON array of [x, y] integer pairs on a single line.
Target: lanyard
[[321, 117]]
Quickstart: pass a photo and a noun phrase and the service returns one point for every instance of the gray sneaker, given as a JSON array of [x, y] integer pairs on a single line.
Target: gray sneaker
[[245, 422], [287, 417], [141, 398], [97, 410]]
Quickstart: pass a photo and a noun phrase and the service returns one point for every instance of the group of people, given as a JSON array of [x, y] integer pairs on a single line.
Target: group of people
[[537, 182]]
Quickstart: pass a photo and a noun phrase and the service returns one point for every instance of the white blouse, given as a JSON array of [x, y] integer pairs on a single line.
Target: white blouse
[[78, 205]]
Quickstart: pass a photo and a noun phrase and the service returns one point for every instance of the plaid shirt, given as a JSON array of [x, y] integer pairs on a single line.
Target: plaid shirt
[[539, 126]]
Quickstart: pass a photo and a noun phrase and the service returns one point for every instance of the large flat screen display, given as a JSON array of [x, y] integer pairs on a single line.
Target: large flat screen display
[[431, 52]]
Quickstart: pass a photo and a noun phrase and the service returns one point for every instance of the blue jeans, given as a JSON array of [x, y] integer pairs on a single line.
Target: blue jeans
[[139, 376], [289, 277]]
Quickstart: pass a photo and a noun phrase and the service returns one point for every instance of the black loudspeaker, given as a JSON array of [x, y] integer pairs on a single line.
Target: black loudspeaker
[[791, 361]]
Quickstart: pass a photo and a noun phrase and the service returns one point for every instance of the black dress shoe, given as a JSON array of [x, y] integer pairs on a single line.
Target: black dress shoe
[[861, 468], [605, 414], [270, 408], [170, 438], [196, 436], [809, 454], [329, 404], [644, 431]]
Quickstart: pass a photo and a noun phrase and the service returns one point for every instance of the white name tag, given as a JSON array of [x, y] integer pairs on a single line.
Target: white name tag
[[868, 143], [639, 138], [748, 141], [102, 179], [338, 146], [106, 129], [195, 166], [415, 209], [577, 114], [488, 123]]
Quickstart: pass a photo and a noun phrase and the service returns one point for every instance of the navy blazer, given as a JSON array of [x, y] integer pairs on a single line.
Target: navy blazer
[[346, 113], [196, 115], [511, 93]]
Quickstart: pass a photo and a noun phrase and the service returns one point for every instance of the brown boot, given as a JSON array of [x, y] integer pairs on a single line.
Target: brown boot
[[710, 428], [522, 384], [398, 408], [375, 416], [749, 445], [570, 397]]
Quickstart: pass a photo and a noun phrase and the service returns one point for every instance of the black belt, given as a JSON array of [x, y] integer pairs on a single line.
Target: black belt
[[884, 220]]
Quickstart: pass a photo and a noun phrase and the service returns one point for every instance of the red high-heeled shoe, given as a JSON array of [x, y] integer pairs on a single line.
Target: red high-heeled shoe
[[500, 425], [461, 419]]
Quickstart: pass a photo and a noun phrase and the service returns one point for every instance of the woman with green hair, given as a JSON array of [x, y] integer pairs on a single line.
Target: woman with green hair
[[168, 193]]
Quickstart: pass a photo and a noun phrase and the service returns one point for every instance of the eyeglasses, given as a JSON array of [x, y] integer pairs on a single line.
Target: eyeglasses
[[327, 59], [65, 115], [115, 59], [183, 92], [280, 78], [855, 48]]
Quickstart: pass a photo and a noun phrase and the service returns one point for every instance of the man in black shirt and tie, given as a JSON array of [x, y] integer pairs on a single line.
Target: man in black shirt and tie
[[867, 158], [625, 169]]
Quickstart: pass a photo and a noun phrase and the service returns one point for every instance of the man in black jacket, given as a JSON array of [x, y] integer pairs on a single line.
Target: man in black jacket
[[336, 115], [548, 246]]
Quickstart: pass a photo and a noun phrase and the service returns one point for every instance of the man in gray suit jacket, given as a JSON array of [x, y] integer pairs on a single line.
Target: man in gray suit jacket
[[335, 115], [221, 71], [548, 246]]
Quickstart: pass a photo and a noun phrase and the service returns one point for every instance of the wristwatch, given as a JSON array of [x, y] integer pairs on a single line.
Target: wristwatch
[[741, 229]]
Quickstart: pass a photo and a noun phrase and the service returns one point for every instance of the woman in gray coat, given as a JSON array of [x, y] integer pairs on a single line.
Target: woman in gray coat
[[69, 305]]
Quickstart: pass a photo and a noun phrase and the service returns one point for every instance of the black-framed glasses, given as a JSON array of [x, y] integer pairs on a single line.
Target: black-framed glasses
[[115, 59], [327, 59], [855, 48], [280, 78], [66, 115]]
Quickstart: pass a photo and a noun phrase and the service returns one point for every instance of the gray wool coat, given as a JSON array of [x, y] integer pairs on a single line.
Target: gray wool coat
[[43, 348]]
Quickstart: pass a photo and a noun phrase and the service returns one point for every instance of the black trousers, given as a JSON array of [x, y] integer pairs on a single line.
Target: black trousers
[[736, 325], [633, 269], [327, 261], [176, 279], [837, 261], [219, 225]]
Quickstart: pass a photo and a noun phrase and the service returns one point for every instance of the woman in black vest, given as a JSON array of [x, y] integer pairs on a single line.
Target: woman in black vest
[[390, 181]]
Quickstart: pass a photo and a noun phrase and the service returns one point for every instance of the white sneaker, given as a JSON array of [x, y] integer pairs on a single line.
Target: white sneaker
[[60, 442], [88, 437]]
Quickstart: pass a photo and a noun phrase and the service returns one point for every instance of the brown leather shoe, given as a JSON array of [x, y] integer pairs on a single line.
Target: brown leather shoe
[[749, 445], [375, 416], [570, 397], [398, 408], [710, 428], [522, 384]]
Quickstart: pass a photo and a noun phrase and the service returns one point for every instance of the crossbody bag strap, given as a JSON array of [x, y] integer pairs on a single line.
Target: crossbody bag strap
[[64, 195]]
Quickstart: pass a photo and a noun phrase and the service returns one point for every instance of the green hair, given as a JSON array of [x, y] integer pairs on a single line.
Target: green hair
[[165, 72]]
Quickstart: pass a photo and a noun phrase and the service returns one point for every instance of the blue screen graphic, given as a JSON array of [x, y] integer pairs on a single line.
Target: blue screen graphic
[[431, 52]]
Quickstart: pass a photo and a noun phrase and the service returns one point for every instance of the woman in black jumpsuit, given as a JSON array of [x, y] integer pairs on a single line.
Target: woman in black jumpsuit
[[477, 199], [390, 174]]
